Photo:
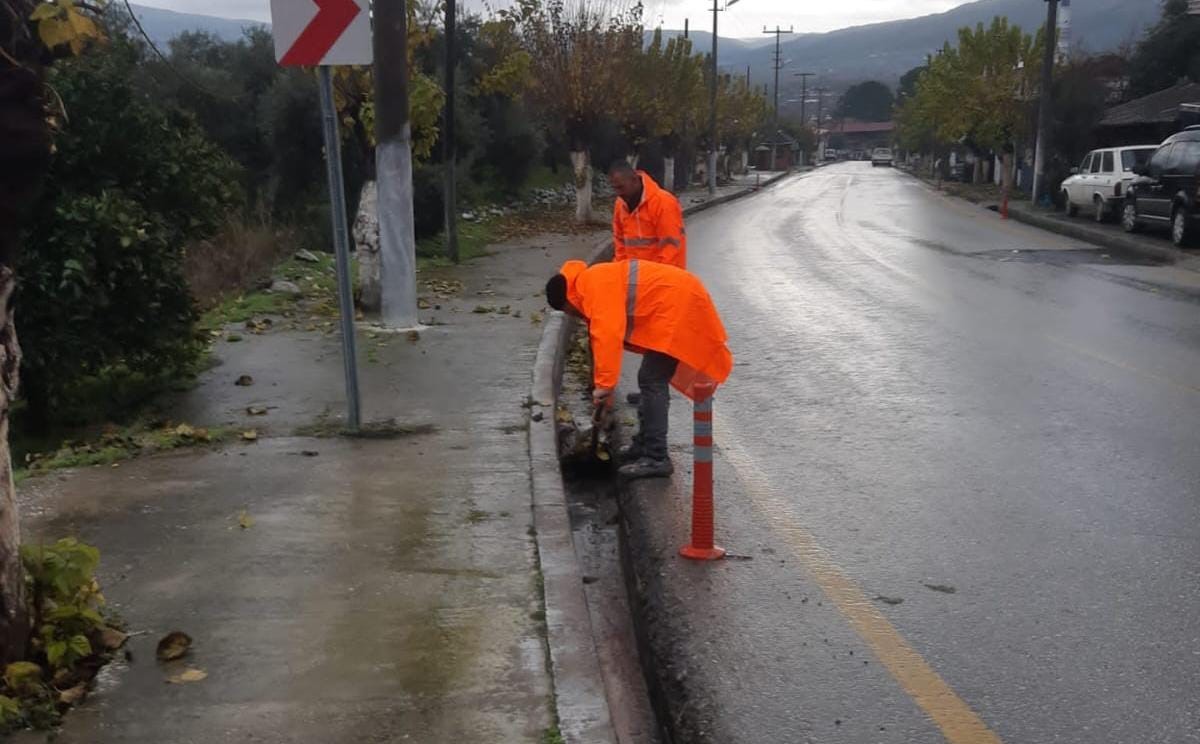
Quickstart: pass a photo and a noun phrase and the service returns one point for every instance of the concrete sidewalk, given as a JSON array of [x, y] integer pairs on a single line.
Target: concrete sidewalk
[[385, 590]]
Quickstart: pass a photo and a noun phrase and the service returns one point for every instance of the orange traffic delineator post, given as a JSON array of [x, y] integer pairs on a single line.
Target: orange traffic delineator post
[[701, 547]]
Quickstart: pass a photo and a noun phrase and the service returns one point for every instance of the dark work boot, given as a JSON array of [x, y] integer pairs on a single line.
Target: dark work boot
[[647, 468]]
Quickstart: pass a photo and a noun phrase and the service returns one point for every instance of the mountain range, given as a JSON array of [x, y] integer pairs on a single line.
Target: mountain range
[[880, 51]]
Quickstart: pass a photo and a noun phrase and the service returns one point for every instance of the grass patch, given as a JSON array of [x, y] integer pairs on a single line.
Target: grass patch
[[318, 298], [552, 736], [116, 444]]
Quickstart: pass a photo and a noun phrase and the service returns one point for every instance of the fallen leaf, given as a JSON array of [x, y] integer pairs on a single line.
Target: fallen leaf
[[564, 416], [173, 646], [188, 675], [256, 410], [73, 695], [250, 435], [112, 639], [536, 318], [244, 381], [483, 309], [184, 430], [414, 336], [233, 338], [422, 303], [245, 520], [505, 310]]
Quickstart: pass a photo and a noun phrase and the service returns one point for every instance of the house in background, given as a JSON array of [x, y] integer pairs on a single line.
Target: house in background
[[1150, 119], [787, 151], [860, 137]]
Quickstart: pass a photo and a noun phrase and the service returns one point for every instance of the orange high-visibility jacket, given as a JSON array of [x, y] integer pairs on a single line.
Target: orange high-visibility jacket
[[647, 306], [653, 231]]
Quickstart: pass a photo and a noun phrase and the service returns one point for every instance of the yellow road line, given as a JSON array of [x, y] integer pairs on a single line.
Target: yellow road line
[[957, 722]]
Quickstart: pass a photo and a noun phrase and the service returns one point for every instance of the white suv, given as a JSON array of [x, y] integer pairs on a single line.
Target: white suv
[[1101, 180], [881, 156]]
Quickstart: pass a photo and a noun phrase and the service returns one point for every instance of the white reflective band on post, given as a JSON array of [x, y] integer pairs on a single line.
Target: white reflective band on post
[[702, 454], [631, 298], [703, 406], [702, 428]]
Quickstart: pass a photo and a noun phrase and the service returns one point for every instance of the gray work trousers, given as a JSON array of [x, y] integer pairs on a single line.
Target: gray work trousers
[[654, 378]]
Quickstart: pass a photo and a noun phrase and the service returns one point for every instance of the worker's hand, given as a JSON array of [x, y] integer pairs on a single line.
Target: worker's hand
[[602, 402]]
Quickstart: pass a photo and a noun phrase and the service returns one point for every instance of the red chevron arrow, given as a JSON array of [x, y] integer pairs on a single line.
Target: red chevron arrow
[[322, 32]]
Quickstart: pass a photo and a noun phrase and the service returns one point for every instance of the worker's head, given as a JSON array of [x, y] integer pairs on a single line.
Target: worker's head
[[626, 182], [559, 289]]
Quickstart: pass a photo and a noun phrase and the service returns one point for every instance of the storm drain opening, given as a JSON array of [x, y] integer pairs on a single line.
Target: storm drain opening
[[1060, 257]]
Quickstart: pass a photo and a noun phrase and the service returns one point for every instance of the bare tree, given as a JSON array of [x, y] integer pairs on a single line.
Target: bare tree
[[580, 54]]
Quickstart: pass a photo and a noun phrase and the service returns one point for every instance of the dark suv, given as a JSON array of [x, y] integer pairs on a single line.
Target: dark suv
[[1166, 191]]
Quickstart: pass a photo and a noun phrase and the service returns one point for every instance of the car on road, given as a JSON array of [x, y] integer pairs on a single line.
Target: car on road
[[881, 156], [1101, 180], [1165, 191]]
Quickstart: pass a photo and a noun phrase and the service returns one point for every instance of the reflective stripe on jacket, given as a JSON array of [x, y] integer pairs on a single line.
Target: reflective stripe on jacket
[[647, 306], [653, 231]]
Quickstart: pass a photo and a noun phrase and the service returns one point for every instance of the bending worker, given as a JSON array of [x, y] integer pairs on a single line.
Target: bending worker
[[647, 220], [656, 310]]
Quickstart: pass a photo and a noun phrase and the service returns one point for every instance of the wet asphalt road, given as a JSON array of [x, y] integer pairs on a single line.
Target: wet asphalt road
[[967, 480]]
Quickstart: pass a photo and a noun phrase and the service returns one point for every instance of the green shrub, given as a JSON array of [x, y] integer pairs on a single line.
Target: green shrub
[[101, 289]]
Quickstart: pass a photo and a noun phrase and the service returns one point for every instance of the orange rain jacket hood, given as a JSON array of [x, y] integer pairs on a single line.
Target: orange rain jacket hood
[[646, 306], [653, 231]]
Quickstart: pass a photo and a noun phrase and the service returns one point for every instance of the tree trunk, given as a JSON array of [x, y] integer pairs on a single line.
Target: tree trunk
[[581, 163], [366, 247], [14, 628], [669, 173], [1007, 175]]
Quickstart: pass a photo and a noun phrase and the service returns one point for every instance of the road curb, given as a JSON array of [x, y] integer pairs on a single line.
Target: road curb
[[581, 703], [1085, 232], [579, 695], [1107, 238]]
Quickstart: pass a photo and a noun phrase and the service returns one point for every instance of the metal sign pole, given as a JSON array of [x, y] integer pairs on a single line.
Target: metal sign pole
[[341, 242]]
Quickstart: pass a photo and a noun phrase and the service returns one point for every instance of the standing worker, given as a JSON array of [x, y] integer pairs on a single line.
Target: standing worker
[[647, 223], [647, 219], [657, 310]]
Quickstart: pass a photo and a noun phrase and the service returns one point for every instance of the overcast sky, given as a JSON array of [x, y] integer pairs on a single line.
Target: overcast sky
[[745, 19]]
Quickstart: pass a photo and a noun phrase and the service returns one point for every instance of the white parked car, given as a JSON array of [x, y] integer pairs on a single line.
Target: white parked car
[[1101, 180], [881, 156]]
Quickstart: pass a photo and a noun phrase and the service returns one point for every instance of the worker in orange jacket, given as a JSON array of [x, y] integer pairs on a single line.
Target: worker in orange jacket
[[647, 224], [656, 310], [647, 220]]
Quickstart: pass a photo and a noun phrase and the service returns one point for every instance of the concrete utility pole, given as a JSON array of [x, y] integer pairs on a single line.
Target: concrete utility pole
[[1043, 130], [713, 147], [449, 143], [820, 117], [393, 166], [804, 76], [776, 63]]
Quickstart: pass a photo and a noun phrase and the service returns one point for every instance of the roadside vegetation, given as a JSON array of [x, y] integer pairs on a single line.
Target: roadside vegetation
[[982, 91]]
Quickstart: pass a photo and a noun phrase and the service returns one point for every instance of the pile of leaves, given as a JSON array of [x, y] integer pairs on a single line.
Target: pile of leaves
[[70, 639]]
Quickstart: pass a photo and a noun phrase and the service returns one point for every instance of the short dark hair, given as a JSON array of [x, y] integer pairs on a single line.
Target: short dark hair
[[621, 166], [556, 291]]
